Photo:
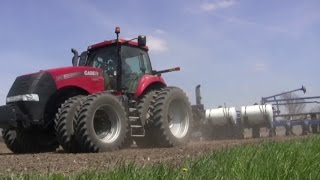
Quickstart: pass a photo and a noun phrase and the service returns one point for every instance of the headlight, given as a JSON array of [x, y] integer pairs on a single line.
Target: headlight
[[25, 97]]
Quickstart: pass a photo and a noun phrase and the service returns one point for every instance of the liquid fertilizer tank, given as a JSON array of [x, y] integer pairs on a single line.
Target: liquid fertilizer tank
[[257, 115], [221, 116]]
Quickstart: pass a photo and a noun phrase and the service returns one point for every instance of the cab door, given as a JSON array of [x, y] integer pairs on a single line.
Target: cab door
[[135, 64]]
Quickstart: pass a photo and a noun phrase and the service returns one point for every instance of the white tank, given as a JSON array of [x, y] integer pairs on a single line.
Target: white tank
[[221, 116], [257, 115]]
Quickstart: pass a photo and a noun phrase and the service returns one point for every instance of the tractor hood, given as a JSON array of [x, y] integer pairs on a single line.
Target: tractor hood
[[32, 91], [86, 78]]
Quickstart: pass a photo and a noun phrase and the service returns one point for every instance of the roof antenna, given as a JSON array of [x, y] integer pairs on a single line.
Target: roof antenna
[[119, 64], [117, 31]]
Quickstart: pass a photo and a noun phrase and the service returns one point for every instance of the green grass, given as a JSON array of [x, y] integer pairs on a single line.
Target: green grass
[[297, 159]]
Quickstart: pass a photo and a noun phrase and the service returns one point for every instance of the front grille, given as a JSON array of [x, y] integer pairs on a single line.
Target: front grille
[[41, 84], [22, 85]]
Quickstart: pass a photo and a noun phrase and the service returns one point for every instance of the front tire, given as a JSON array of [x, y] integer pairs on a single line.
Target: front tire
[[172, 117], [10, 139], [102, 123], [64, 124], [22, 142]]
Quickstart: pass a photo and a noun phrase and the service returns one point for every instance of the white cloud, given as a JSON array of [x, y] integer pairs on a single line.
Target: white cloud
[[157, 44], [218, 4], [244, 22], [159, 31], [260, 67]]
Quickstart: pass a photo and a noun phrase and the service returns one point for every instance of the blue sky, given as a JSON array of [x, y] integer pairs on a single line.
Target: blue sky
[[238, 50]]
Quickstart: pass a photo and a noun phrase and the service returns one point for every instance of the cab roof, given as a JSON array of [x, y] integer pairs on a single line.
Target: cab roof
[[121, 41]]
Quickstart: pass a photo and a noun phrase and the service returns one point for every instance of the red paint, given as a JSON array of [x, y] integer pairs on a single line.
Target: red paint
[[95, 84], [146, 81], [121, 41], [92, 84]]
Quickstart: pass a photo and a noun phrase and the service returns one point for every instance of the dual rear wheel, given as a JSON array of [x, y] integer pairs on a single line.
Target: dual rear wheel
[[168, 118]]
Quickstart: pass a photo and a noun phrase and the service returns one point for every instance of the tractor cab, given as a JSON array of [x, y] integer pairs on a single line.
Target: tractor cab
[[123, 62], [134, 63]]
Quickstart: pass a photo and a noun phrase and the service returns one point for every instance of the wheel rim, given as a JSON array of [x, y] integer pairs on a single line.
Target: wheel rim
[[178, 118], [106, 123]]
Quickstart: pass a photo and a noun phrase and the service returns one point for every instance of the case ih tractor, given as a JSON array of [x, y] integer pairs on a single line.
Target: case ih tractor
[[108, 99]]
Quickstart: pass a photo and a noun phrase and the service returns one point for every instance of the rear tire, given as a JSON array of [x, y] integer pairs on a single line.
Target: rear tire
[[64, 124], [145, 108], [102, 123], [172, 117]]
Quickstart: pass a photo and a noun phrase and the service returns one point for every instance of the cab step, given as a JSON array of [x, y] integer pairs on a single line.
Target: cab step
[[137, 130]]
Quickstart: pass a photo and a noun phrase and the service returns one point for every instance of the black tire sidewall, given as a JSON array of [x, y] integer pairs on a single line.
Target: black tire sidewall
[[176, 94], [70, 107], [143, 107], [70, 117], [109, 100]]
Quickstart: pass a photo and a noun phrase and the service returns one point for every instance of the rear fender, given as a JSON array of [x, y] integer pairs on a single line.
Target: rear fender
[[147, 82]]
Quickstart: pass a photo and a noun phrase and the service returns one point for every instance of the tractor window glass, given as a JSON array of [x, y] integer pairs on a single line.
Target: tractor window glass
[[135, 60], [104, 58], [135, 63]]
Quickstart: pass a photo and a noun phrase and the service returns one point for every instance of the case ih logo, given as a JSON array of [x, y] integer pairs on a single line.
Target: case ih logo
[[77, 74], [91, 73]]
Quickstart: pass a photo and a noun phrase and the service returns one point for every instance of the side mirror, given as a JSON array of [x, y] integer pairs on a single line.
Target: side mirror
[[75, 57], [83, 58], [142, 40]]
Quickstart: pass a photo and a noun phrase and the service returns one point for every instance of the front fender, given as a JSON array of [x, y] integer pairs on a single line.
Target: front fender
[[92, 84]]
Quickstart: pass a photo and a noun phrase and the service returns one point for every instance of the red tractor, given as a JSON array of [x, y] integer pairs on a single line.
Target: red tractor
[[108, 99]]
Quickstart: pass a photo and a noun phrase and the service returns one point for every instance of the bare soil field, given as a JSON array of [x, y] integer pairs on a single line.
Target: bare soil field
[[61, 162]]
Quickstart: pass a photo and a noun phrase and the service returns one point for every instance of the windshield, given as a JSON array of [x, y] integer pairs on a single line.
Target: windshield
[[135, 60]]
